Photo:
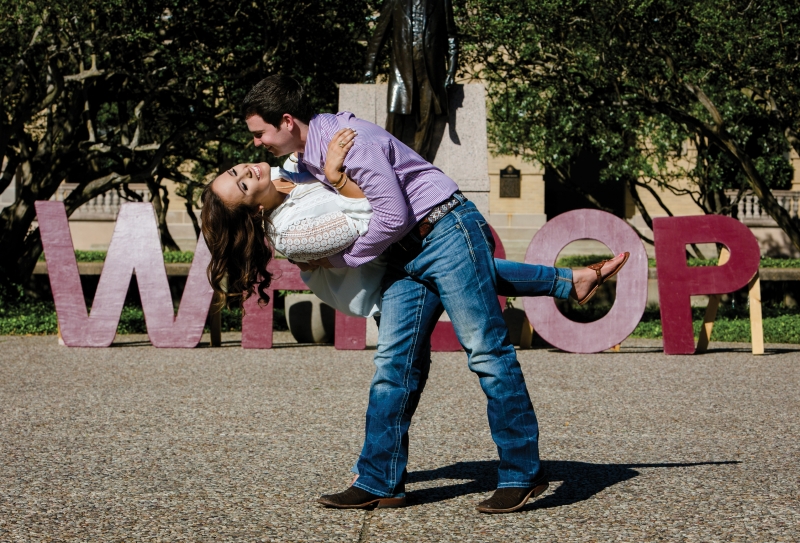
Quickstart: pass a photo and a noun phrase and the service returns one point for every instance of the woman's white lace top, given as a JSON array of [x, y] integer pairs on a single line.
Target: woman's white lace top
[[314, 222]]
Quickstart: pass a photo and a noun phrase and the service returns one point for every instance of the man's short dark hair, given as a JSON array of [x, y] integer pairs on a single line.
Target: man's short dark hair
[[275, 95]]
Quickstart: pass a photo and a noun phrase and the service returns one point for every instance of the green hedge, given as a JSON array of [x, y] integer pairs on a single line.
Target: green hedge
[[782, 329], [781, 324]]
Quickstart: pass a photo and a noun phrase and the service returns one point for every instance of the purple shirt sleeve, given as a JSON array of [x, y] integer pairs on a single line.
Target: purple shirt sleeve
[[400, 185], [391, 216]]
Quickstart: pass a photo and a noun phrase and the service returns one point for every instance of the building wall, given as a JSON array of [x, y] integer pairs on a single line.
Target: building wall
[[516, 220]]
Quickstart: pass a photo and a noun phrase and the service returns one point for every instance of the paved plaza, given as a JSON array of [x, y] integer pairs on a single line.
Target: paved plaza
[[134, 443]]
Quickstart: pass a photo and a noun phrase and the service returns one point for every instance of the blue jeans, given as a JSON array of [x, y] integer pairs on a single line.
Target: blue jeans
[[452, 269], [519, 279]]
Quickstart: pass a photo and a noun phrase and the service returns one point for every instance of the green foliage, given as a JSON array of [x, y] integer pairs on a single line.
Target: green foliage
[[104, 93], [87, 256], [768, 262], [28, 318], [174, 257], [132, 320], [781, 329], [632, 82]]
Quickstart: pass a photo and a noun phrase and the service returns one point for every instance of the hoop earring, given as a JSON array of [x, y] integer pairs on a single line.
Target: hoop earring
[[263, 222]]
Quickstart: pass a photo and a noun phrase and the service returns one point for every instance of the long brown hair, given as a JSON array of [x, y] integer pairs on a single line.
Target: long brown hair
[[239, 248]]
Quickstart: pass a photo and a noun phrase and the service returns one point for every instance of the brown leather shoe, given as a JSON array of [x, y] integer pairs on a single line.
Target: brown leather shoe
[[356, 498], [507, 500]]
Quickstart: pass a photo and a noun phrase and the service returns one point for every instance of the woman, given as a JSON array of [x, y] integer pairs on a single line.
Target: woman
[[252, 204]]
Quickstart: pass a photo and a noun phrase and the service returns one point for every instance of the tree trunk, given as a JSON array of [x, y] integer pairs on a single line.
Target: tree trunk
[[763, 192], [193, 217], [15, 221], [160, 206]]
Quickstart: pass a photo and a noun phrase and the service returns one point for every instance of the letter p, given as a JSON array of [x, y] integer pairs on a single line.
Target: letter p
[[677, 282]]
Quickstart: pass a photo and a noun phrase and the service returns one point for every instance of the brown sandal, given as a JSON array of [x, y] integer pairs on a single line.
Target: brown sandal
[[600, 280]]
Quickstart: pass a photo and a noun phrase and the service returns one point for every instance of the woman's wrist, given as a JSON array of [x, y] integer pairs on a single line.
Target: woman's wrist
[[334, 177], [341, 182]]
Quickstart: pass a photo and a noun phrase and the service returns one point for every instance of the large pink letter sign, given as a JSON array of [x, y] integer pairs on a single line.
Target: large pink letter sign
[[350, 332], [631, 298], [677, 281], [135, 247]]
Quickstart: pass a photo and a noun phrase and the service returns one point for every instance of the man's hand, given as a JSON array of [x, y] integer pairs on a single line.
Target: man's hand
[[320, 262]]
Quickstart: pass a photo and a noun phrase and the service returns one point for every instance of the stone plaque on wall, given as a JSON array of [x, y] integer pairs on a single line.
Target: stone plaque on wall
[[510, 182]]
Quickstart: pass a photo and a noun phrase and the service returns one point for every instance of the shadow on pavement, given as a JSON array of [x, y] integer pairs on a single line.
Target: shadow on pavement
[[580, 480], [768, 351]]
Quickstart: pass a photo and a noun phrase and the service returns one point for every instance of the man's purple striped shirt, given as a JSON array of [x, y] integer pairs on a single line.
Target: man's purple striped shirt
[[400, 185]]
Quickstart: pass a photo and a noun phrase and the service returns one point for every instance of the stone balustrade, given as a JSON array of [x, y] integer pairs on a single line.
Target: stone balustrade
[[103, 208], [750, 212]]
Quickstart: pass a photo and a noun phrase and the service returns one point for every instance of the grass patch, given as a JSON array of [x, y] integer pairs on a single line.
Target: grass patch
[[39, 318], [781, 324], [581, 261], [170, 257]]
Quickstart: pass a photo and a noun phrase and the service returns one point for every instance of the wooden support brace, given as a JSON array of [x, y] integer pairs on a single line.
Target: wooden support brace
[[756, 322], [711, 310], [526, 335]]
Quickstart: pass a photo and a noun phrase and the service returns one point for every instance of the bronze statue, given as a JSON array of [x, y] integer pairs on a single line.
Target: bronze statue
[[423, 65]]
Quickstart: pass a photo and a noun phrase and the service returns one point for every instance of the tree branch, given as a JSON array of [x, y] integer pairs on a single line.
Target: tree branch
[[566, 181]]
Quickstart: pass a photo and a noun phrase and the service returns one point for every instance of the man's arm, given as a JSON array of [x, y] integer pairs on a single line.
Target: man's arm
[[368, 165]]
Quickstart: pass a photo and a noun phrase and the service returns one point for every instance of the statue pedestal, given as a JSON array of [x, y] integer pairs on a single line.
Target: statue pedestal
[[460, 142]]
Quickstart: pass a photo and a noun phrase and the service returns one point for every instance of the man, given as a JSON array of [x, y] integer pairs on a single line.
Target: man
[[423, 66], [439, 250]]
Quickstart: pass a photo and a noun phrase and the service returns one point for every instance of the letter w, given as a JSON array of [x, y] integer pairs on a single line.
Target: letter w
[[135, 248]]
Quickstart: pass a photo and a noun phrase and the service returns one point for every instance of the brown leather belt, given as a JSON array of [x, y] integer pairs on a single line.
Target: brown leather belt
[[424, 227], [413, 243]]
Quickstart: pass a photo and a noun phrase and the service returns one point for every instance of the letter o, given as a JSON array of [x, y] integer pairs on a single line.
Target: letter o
[[631, 297]]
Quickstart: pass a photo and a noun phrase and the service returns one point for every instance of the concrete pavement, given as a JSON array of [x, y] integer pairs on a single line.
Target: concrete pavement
[[134, 443]]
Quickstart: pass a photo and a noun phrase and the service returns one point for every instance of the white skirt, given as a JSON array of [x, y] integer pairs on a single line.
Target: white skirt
[[353, 291]]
